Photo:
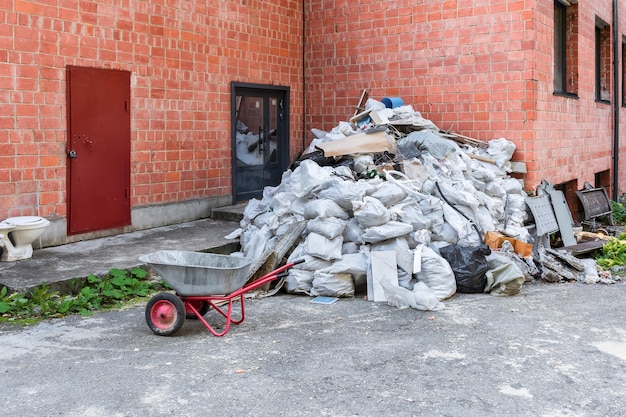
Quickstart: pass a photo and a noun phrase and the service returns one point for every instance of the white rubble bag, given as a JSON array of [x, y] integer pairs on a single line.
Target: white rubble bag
[[370, 212], [311, 263], [420, 298], [329, 227], [435, 272], [386, 231], [299, 281], [322, 247], [332, 285]]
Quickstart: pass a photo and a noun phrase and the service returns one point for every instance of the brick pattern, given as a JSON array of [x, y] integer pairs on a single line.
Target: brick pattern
[[573, 136], [482, 68], [183, 55]]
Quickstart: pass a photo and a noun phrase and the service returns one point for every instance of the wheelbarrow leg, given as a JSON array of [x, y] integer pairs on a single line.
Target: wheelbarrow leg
[[226, 314]]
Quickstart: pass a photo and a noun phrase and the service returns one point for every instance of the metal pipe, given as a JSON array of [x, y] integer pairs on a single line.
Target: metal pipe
[[304, 109]]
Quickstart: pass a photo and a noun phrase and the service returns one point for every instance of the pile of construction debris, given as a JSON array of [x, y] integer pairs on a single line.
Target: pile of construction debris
[[391, 205]]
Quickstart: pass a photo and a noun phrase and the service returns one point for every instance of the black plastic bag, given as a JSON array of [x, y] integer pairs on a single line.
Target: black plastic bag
[[469, 266]]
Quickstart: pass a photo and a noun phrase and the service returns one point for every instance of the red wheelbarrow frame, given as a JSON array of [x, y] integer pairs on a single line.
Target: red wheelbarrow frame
[[212, 300]]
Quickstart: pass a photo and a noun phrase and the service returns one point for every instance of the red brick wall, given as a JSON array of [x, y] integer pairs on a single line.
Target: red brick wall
[[482, 68], [183, 56], [574, 136]]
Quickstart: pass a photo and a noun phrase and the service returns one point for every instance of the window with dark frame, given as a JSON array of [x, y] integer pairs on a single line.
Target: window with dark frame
[[603, 61], [566, 48]]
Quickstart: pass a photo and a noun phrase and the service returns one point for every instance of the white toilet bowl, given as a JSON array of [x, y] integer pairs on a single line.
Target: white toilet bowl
[[17, 235]]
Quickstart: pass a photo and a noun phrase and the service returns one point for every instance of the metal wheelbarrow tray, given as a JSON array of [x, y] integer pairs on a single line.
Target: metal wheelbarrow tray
[[201, 281]]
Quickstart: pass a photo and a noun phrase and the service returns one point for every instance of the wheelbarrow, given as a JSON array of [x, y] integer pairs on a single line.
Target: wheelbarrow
[[201, 281]]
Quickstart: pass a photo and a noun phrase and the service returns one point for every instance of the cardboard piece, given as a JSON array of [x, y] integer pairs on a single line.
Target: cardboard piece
[[359, 143], [495, 239]]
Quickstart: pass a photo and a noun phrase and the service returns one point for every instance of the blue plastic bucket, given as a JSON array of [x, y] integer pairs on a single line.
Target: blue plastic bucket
[[392, 102]]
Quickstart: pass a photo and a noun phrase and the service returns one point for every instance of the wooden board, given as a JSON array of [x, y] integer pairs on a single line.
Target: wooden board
[[359, 143]]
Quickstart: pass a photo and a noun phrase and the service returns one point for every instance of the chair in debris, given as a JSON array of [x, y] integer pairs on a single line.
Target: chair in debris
[[551, 214], [596, 206]]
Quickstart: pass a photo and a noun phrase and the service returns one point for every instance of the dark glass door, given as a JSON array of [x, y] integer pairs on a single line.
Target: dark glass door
[[260, 138]]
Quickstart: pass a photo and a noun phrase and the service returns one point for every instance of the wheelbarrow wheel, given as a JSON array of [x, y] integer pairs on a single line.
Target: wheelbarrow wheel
[[200, 305], [165, 314]]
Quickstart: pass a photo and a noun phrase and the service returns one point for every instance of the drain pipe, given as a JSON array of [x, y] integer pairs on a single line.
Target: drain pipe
[[303, 75], [616, 102]]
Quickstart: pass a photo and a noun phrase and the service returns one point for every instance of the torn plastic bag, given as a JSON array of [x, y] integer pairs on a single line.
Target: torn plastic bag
[[332, 285], [469, 264], [299, 281], [322, 247], [435, 272], [503, 277], [330, 227], [370, 212], [420, 298]]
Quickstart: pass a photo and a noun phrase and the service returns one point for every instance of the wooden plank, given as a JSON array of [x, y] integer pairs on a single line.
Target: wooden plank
[[272, 258], [464, 139], [362, 101], [359, 143], [481, 158]]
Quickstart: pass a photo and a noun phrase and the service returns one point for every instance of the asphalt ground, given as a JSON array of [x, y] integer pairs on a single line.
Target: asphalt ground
[[553, 350]]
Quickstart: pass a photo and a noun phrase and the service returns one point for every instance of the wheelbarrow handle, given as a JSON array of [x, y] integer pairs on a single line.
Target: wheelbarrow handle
[[298, 261]]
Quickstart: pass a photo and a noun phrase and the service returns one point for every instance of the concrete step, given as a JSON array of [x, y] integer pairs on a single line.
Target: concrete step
[[232, 213]]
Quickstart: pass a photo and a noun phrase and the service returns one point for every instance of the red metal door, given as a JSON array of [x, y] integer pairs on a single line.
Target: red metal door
[[98, 151]]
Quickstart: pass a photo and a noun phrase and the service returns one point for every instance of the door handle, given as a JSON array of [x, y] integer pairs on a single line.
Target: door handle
[[72, 154]]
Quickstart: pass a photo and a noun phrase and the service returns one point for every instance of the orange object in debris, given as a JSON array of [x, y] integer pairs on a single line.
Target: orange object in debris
[[495, 239]]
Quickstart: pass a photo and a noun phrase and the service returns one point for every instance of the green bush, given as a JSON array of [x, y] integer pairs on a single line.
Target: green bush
[[613, 253], [619, 213], [112, 290]]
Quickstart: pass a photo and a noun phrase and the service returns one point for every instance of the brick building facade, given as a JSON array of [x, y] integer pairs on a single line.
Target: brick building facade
[[483, 68]]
